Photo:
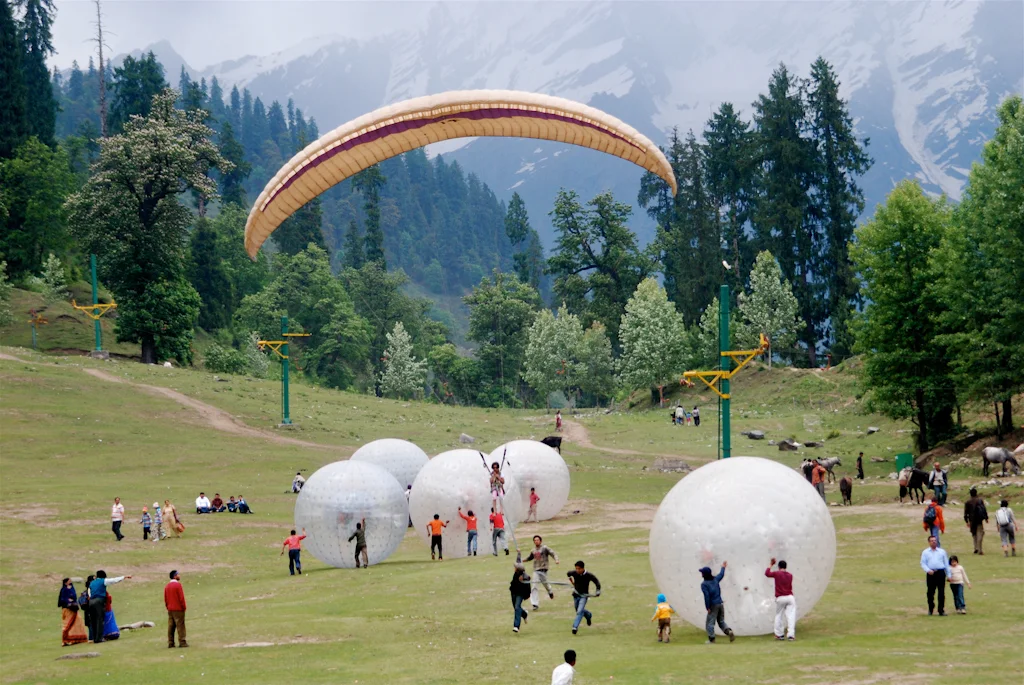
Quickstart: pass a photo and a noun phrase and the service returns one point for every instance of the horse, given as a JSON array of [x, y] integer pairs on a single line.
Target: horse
[[912, 482], [1001, 456], [829, 464], [846, 488], [554, 441]]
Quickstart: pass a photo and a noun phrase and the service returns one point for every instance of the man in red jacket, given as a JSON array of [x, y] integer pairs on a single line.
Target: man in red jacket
[[785, 604], [174, 600]]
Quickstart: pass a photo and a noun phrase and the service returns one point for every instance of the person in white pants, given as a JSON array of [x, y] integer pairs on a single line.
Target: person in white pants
[[785, 603]]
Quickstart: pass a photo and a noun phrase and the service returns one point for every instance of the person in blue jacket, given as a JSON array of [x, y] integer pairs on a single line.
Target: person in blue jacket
[[713, 603]]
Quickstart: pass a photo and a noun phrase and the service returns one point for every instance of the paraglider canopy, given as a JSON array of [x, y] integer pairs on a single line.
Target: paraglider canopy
[[394, 129]]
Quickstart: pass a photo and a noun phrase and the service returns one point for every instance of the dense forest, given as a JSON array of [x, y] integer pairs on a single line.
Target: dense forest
[[157, 183]]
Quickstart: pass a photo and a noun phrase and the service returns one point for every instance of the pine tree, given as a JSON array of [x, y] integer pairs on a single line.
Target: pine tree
[[528, 260], [369, 182], [301, 229], [837, 200], [209, 278], [55, 286], [403, 375], [770, 308], [37, 43], [353, 257], [13, 122], [232, 187], [136, 82], [653, 339]]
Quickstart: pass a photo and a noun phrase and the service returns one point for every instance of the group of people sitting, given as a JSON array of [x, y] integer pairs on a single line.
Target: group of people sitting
[[235, 505]]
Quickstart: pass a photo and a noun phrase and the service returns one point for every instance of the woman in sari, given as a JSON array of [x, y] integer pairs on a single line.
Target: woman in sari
[[171, 518], [110, 629], [72, 625]]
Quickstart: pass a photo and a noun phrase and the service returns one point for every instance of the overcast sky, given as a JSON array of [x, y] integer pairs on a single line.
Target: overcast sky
[[208, 31]]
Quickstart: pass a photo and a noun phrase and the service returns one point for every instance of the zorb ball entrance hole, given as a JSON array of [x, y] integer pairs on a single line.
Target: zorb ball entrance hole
[[743, 510]]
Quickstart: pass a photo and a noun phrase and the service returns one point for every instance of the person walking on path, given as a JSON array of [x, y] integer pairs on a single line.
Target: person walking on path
[[785, 603], [174, 600], [957, 579], [540, 556], [534, 498], [471, 531], [72, 626], [975, 516], [558, 421], [293, 543], [581, 579], [117, 518], [935, 564], [933, 520], [677, 418], [434, 529], [497, 532], [696, 417], [360, 537], [938, 481], [520, 590], [98, 602], [818, 476], [1007, 528], [663, 615], [158, 521], [566, 672], [171, 514], [713, 603], [860, 466], [147, 523]]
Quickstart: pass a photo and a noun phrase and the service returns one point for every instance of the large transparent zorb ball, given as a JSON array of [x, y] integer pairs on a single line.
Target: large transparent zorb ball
[[401, 458], [337, 497], [459, 478], [743, 510], [535, 465]]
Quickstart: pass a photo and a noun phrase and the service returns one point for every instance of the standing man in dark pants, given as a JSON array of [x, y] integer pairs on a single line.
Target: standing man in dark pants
[[975, 516], [860, 466], [360, 537], [117, 518], [293, 543], [581, 579], [98, 602], [174, 600], [935, 563], [713, 603]]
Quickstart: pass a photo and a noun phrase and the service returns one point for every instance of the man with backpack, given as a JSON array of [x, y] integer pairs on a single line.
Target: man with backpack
[[933, 520], [975, 516], [1007, 528], [938, 480]]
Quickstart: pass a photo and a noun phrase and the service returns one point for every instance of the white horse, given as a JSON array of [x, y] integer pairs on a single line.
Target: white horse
[[829, 464], [1001, 456]]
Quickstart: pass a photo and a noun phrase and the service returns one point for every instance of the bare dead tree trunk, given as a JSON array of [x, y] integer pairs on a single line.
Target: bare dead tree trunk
[[103, 71]]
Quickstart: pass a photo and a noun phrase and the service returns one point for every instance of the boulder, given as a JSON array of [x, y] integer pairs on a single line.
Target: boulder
[[814, 443], [878, 460], [893, 475], [466, 439], [789, 445], [756, 435], [669, 465], [872, 430]]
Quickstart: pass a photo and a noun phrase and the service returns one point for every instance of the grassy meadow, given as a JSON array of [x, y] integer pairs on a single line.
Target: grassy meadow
[[70, 441]]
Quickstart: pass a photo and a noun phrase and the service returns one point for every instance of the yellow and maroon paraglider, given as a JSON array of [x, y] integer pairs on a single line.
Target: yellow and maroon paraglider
[[392, 130]]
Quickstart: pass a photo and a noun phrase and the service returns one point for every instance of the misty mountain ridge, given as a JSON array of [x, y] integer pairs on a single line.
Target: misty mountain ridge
[[923, 79]]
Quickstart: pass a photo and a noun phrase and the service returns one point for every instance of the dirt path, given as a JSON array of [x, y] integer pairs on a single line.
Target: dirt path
[[577, 434]]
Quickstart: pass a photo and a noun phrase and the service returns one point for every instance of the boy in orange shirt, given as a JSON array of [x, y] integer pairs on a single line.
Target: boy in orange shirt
[[471, 531], [434, 529]]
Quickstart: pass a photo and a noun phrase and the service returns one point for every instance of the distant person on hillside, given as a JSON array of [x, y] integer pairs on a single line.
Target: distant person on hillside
[[540, 556], [785, 603], [360, 537], [117, 518], [217, 504], [818, 476], [581, 579], [663, 615], [558, 420], [679, 414], [938, 480], [434, 528], [293, 543], [933, 520], [957, 579], [471, 531], [565, 673], [519, 588], [171, 515], [712, 592], [975, 516], [860, 466], [534, 498], [202, 504], [497, 532], [147, 523], [297, 482], [1007, 527], [696, 417], [935, 564]]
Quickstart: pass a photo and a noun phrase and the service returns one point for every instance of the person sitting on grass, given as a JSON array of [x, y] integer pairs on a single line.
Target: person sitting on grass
[[232, 505], [202, 504], [217, 505], [243, 506]]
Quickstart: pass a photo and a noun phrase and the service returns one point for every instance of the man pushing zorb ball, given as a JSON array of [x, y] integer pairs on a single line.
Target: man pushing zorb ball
[[746, 511], [343, 494]]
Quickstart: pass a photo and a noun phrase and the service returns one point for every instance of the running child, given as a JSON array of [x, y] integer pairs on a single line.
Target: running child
[[663, 615]]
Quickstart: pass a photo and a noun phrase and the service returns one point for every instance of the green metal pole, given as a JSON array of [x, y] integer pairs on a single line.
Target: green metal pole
[[95, 300], [287, 420], [726, 365]]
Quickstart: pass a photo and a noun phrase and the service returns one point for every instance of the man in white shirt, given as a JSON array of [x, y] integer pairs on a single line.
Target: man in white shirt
[[298, 482], [202, 504], [117, 518], [564, 674]]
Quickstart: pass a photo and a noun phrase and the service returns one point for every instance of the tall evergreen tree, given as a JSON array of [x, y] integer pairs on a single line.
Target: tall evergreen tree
[[231, 182], [353, 257], [837, 200], [526, 261], [303, 227], [209, 278], [13, 122], [37, 43], [369, 182], [135, 84]]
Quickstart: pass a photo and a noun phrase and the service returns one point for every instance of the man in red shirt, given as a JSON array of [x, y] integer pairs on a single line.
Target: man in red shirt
[[497, 531], [785, 603], [293, 543], [174, 600], [471, 532]]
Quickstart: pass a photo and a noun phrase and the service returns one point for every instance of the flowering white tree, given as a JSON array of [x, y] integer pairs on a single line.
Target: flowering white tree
[[770, 308], [403, 375], [653, 339], [596, 364], [55, 287], [255, 358], [553, 352]]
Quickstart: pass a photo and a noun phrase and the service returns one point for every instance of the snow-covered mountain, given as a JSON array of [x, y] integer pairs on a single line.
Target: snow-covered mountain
[[923, 78]]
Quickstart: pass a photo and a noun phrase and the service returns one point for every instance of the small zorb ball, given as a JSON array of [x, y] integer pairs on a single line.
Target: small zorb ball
[[337, 497], [744, 510], [459, 478], [535, 465], [401, 458]]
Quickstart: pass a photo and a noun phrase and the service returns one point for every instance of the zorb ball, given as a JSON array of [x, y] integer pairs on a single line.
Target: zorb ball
[[400, 458], [535, 465], [342, 494], [743, 510], [459, 479]]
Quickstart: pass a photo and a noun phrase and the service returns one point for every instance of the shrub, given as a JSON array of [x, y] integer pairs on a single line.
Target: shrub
[[225, 360]]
